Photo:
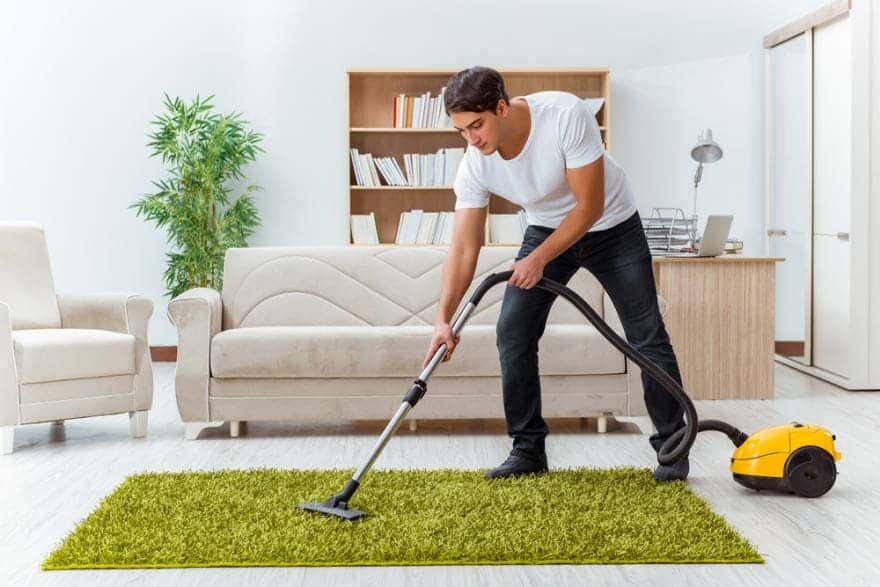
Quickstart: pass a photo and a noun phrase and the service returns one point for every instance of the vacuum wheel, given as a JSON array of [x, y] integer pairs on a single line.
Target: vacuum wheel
[[810, 471]]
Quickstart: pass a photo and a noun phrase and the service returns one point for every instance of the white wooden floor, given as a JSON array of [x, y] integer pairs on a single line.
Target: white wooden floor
[[58, 475]]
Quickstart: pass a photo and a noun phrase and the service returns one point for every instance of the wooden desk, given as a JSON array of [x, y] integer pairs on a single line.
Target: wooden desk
[[720, 318]]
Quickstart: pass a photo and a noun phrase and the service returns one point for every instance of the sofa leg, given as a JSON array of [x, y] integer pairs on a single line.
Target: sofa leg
[[61, 422], [235, 429], [138, 423], [413, 425], [602, 424], [194, 428], [7, 439]]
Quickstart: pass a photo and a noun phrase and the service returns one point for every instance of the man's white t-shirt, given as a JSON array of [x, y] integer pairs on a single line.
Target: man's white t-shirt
[[564, 135]]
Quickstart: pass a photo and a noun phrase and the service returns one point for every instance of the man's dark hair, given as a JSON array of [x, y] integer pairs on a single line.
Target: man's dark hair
[[476, 89]]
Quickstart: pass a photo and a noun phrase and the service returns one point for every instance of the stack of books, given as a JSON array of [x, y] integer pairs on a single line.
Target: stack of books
[[433, 169], [421, 111], [733, 245], [507, 229], [418, 227], [367, 170], [422, 169]]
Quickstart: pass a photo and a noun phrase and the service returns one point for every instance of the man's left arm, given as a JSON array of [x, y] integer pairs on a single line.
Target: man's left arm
[[587, 184]]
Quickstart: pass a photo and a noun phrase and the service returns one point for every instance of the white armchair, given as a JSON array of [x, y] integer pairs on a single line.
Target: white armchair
[[66, 356]]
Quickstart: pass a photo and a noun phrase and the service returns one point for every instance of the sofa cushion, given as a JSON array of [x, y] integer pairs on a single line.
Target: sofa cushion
[[396, 351], [52, 354]]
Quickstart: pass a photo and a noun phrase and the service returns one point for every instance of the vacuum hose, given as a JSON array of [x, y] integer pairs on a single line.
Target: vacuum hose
[[679, 443]]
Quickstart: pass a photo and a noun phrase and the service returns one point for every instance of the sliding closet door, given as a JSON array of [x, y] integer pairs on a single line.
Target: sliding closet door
[[832, 168], [789, 230], [831, 307]]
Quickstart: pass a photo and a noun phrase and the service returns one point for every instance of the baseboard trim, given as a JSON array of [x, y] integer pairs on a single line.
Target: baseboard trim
[[162, 354], [790, 348]]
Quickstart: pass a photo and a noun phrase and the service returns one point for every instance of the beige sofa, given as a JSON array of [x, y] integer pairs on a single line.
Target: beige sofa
[[335, 333], [66, 356]]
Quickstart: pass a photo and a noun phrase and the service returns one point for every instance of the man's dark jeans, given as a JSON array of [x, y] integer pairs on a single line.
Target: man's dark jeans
[[619, 258]]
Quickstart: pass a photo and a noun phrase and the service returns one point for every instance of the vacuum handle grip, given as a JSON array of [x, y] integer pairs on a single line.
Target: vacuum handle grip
[[457, 325], [462, 317]]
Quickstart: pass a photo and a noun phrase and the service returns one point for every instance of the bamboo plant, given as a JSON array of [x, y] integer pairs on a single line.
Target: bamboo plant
[[204, 153]]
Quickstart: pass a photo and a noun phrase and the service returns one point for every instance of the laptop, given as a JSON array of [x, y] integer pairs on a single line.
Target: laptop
[[714, 237]]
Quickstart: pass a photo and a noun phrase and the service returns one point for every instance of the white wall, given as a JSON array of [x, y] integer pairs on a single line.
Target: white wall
[[80, 81], [658, 113]]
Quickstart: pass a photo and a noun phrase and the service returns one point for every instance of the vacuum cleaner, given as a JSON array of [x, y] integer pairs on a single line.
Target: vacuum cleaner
[[794, 458]]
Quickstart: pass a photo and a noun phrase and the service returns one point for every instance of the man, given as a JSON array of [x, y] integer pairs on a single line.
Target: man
[[544, 152]]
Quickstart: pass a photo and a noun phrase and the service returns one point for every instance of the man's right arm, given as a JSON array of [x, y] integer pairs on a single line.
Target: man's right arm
[[458, 271]]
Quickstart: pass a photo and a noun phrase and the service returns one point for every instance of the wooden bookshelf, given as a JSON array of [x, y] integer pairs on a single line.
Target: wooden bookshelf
[[370, 98]]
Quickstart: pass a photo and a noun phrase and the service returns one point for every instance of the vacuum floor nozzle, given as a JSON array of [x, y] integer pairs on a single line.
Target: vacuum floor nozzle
[[344, 512]]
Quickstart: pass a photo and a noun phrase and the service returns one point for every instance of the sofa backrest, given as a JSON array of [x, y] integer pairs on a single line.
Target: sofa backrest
[[364, 286], [26, 283]]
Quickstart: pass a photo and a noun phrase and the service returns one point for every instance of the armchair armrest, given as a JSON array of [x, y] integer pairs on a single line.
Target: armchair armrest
[[118, 312], [8, 375], [197, 314]]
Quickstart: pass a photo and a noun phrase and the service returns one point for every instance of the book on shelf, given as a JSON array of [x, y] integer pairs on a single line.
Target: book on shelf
[[419, 169], [507, 229], [364, 169], [363, 229], [418, 227], [426, 228], [411, 226], [454, 155], [372, 167], [420, 111], [355, 164]]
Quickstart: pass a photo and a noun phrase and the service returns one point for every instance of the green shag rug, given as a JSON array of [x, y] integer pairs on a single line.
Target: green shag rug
[[446, 517]]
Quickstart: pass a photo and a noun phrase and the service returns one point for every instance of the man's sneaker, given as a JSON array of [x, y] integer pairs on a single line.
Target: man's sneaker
[[676, 471], [519, 463]]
